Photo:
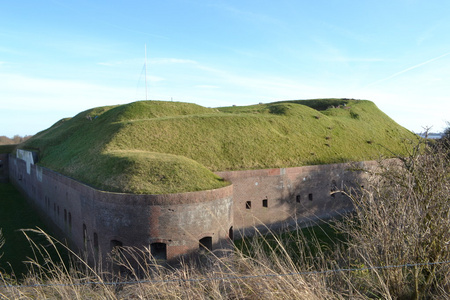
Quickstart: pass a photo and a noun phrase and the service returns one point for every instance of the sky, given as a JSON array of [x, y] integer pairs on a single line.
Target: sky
[[58, 58]]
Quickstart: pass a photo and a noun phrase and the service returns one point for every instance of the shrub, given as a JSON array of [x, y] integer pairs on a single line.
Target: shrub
[[403, 217]]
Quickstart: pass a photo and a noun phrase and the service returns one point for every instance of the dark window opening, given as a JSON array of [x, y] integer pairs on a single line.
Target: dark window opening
[[310, 197], [248, 204], [85, 237], [297, 199], [230, 233], [265, 203], [115, 244], [206, 243], [117, 255], [159, 250], [95, 244]]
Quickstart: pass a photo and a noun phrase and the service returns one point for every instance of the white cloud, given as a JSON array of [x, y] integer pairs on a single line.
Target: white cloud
[[409, 69]]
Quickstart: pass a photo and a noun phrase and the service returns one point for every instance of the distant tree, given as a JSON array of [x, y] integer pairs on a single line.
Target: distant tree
[[445, 138], [446, 134], [17, 139]]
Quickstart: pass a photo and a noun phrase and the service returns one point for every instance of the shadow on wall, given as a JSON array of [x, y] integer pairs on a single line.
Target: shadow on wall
[[141, 261]]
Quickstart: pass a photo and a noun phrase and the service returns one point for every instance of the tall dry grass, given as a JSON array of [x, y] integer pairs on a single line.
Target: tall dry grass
[[395, 247], [403, 217]]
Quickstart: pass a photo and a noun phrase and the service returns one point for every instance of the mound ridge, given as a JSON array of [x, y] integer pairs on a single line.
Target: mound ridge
[[156, 147]]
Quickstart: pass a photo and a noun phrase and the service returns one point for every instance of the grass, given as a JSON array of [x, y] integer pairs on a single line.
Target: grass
[[7, 148], [15, 215], [119, 148]]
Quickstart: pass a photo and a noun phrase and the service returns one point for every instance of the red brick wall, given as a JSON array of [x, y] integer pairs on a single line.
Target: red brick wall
[[181, 220], [178, 220], [279, 189]]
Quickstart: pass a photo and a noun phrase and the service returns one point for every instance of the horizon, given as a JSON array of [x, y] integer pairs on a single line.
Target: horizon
[[58, 59]]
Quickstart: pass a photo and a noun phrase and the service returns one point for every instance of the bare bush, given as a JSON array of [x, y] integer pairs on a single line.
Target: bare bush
[[403, 218]]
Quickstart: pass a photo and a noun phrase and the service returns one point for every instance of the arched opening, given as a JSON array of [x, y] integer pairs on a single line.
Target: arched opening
[[159, 250], [115, 244], [230, 233], [117, 255], [85, 237], [95, 245], [205, 243]]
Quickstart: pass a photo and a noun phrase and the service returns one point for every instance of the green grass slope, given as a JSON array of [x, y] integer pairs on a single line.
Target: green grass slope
[[167, 147]]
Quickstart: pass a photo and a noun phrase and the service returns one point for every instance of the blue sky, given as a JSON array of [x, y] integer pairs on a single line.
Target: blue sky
[[58, 58]]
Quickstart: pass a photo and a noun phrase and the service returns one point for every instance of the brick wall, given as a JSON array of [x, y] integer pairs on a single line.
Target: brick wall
[[283, 196], [174, 224], [97, 220]]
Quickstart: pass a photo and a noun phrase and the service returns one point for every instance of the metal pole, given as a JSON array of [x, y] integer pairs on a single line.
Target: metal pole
[[145, 72]]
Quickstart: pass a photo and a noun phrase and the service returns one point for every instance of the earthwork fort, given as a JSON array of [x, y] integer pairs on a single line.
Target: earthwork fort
[[174, 225], [180, 224]]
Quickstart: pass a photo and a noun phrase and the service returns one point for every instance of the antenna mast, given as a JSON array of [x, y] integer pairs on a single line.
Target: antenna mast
[[145, 64]]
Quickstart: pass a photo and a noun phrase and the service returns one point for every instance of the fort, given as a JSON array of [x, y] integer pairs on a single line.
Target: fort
[[124, 177], [176, 225]]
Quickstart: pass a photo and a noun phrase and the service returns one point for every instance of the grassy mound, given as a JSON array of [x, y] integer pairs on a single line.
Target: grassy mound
[[167, 147]]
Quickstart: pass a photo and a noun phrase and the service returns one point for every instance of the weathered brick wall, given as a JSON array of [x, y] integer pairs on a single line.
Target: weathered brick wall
[[97, 220], [278, 197]]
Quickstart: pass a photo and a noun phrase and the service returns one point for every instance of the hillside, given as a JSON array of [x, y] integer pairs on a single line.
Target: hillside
[[167, 147]]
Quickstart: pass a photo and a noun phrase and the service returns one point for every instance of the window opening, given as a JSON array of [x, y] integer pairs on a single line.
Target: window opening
[[95, 245], [230, 233], [297, 199], [248, 204], [115, 244], [264, 203], [85, 237], [310, 197], [206, 243], [159, 250]]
